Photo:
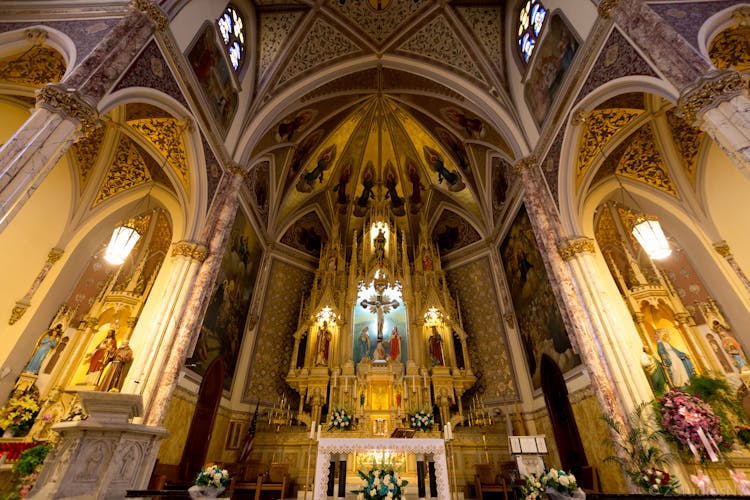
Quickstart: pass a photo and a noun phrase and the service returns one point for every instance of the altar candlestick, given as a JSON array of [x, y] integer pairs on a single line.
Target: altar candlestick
[[508, 423], [320, 429], [312, 430]]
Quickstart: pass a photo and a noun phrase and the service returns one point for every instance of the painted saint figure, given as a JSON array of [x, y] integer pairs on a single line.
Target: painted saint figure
[[364, 343], [395, 344], [48, 342], [436, 348], [324, 344]]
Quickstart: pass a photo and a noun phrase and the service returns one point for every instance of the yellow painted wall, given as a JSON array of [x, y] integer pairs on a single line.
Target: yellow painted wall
[[178, 420]]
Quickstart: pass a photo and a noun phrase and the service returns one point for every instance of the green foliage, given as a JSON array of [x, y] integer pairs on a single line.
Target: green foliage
[[25, 471], [717, 393], [641, 443]]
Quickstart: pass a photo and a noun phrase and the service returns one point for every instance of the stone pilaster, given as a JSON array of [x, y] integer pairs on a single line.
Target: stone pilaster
[[547, 231], [218, 227], [715, 100], [722, 248]]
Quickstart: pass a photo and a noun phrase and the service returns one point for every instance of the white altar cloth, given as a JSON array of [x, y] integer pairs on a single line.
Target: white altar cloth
[[328, 446]]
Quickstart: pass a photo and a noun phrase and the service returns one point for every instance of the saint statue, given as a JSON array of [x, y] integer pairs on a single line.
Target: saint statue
[[654, 371], [436, 348], [48, 342], [680, 368], [364, 343], [101, 356], [116, 371], [731, 346], [379, 354], [324, 343], [395, 344]]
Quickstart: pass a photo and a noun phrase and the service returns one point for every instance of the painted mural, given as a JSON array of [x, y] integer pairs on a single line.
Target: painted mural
[[539, 320], [551, 62], [214, 75], [224, 323]]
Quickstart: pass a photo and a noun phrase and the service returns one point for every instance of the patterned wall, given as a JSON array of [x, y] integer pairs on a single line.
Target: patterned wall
[[487, 344], [274, 343]]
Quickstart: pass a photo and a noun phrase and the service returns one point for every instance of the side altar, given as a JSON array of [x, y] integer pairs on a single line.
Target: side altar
[[330, 447]]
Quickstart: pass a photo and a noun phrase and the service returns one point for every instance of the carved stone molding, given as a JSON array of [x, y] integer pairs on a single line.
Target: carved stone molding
[[525, 163], [568, 249], [36, 36], [191, 250], [606, 7], [708, 92], [56, 98], [54, 255], [236, 169], [153, 12], [722, 248]]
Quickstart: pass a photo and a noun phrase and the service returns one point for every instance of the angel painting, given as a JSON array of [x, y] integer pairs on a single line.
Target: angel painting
[[342, 199], [293, 124], [456, 146], [391, 181], [325, 160], [301, 151], [473, 126], [435, 161], [368, 182], [415, 199]]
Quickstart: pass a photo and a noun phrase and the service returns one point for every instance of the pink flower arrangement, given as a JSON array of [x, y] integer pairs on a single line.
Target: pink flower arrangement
[[657, 481], [686, 417]]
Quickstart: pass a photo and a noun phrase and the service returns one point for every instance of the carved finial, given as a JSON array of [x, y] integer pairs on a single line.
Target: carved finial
[[606, 7], [153, 12], [236, 169], [525, 163]]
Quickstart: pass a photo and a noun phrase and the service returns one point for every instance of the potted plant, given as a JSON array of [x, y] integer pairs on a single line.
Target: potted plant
[[17, 416]]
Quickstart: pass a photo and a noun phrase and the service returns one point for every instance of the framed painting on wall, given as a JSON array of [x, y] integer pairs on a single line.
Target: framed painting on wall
[[539, 320]]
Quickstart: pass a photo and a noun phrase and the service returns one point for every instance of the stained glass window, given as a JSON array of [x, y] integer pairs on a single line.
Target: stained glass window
[[530, 22], [232, 29]]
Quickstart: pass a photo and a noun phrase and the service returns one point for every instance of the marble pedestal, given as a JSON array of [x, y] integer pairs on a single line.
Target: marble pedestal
[[103, 456]]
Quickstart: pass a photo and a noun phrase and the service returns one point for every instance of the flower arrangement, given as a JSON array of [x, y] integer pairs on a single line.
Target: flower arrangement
[[422, 420], [340, 420], [380, 482], [19, 413], [692, 422], [548, 482], [26, 470], [213, 477], [657, 482]]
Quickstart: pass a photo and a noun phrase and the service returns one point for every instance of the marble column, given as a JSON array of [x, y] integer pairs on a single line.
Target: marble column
[[722, 248], [218, 227], [712, 99], [66, 110], [585, 340]]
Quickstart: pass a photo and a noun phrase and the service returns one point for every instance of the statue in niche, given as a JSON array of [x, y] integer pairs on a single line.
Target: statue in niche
[[654, 372], [680, 368], [435, 343], [719, 353], [395, 344], [324, 344], [731, 346], [364, 343], [56, 355], [379, 354], [115, 372], [101, 356], [45, 344]]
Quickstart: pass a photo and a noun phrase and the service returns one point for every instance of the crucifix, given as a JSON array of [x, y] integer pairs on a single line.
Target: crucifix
[[381, 307]]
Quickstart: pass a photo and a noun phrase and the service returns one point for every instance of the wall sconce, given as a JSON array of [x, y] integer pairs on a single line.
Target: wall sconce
[[647, 230], [121, 243], [433, 317], [327, 315]]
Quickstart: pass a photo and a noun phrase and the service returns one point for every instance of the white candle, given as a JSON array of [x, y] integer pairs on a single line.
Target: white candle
[[312, 430], [450, 431], [413, 387], [320, 429], [445, 432]]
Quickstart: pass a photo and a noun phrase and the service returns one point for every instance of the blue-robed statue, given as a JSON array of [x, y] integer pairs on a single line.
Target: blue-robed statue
[[680, 368], [48, 342]]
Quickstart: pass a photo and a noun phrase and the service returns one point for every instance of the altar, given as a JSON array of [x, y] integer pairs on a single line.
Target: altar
[[328, 447]]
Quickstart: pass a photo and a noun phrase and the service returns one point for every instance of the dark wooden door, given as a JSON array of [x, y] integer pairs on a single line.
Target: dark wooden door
[[209, 397], [564, 425]]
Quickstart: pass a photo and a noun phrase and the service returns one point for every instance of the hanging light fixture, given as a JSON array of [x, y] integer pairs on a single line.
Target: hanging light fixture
[[123, 241], [647, 231]]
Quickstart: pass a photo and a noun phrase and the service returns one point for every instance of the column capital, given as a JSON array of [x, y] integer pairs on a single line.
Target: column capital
[[54, 255], [153, 12], [606, 7], [191, 250], [569, 248], [708, 92], [69, 103], [722, 248], [236, 169], [525, 163]]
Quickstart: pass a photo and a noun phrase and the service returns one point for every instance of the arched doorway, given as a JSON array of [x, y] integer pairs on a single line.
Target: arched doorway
[[568, 440], [202, 424]]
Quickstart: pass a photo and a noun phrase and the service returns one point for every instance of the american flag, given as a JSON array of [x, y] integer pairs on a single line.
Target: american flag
[[247, 446]]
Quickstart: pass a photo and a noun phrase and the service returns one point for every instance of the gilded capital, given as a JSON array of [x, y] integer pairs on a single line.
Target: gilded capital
[[69, 103], [18, 311], [525, 163], [722, 248], [606, 7], [153, 12], [568, 249], [236, 169], [190, 250], [708, 92], [54, 255]]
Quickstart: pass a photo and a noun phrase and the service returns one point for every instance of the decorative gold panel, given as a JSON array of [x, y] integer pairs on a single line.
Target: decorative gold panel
[[687, 140], [128, 170], [731, 47], [643, 162], [34, 67], [86, 151], [599, 127], [165, 134]]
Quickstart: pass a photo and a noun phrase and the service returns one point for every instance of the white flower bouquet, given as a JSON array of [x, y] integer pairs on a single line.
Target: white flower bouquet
[[210, 482], [422, 420], [380, 483], [340, 420]]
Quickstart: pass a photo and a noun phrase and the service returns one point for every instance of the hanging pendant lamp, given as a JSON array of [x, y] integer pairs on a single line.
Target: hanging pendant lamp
[[123, 241], [647, 230]]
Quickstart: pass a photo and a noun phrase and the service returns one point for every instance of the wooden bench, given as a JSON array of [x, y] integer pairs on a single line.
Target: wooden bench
[[487, 481], [276, 481]]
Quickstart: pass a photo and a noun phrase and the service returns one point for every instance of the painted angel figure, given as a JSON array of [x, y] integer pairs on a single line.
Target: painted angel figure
[[325, 160], [435, 161]]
